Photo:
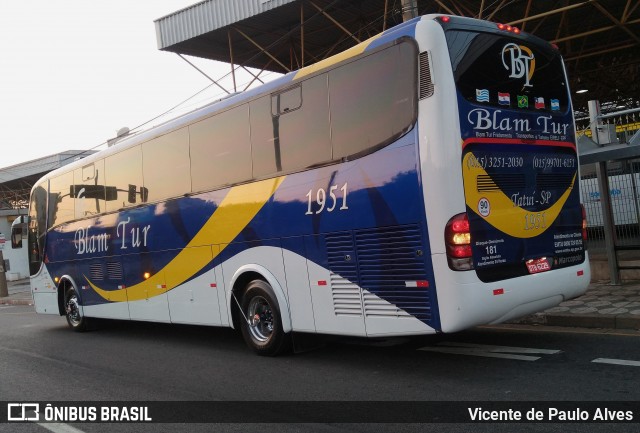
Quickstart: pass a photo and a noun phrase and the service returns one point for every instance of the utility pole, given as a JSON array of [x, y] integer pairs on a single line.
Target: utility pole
[[409, 10], [605, 199], [4, 292]]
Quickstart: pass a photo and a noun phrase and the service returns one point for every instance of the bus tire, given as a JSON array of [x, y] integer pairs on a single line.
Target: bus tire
[[262, 331], [72, 311]]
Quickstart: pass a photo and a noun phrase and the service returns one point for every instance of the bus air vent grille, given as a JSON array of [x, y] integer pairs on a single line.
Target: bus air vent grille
[[374, 306], [501, 182], [553, 181], [388, 258], [341, 255], [96, 272], [426, 81], [346, 297], [372, 271], [114, 271]]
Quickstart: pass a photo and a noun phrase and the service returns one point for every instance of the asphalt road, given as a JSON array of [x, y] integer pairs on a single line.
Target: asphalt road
[[42, 360]]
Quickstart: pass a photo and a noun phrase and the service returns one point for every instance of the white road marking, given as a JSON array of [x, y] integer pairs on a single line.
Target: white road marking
[[476, 352], [58, 427], [509, 349], [490, 351], [617, 362]]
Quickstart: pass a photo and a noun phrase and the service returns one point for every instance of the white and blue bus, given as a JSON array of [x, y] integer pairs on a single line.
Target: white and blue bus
[[423, 181]]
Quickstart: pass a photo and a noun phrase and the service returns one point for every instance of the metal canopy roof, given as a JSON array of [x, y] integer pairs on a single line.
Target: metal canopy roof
[[615, 152], [17, 180], [600, 39]]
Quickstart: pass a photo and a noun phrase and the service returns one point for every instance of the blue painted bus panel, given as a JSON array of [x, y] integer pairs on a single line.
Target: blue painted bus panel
[[378, 205]]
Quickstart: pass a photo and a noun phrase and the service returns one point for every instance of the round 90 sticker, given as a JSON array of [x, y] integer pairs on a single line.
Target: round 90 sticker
[[484, 207]]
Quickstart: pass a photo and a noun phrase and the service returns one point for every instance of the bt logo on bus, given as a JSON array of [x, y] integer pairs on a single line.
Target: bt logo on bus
[[519, 61]]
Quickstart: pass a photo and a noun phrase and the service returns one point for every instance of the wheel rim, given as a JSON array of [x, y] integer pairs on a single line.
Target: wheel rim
[[260, 319], [73, 310]]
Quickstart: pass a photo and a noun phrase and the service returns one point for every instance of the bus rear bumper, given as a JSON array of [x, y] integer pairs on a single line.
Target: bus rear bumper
[[530, 308], [475, 303]]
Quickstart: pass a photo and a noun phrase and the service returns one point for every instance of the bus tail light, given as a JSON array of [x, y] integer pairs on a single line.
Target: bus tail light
[[457, 238], [584, 223]]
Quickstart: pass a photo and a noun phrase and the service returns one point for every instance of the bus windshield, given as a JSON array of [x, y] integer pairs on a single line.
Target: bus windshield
[[502, 72]]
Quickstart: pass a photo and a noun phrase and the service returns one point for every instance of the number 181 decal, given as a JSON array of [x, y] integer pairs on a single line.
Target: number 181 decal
[[322, 203]]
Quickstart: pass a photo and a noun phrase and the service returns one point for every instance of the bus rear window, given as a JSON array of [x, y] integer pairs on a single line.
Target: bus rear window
[[497, 71]]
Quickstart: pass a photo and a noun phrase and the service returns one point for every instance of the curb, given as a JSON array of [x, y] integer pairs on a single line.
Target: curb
[[620, 321], [8, 301]]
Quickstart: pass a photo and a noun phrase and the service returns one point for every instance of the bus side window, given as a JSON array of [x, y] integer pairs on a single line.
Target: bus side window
[[37, 229], [16, 237], [303, 124], [61, 203], [286, 101], [18, 231], [265, 149], [166, 166], [123, 171], [373, 100], [89, 189], [220, 150]]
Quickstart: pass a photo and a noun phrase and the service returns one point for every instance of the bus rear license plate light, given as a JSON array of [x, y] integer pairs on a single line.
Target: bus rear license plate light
[[538, 265]]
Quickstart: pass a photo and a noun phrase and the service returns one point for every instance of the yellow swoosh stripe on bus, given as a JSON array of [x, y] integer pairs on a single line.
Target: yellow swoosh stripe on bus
[[236, 210], [344, 55], [505, 215]]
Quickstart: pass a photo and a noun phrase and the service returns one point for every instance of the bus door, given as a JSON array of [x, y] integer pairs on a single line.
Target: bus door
[[148, 299], [197, 300]]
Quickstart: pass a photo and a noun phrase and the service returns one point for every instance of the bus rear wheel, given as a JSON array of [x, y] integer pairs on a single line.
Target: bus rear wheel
[[72, 311], [261, 320]]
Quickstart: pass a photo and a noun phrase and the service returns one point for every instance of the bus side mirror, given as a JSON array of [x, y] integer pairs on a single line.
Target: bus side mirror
[[17, 231]]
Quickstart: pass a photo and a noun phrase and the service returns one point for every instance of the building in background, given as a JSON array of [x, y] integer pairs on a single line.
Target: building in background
[[16, 182]]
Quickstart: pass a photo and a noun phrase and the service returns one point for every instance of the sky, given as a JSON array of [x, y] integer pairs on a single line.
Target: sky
[[74, 72]]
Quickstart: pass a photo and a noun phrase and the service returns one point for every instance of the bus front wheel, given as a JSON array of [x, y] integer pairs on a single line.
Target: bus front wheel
[[261, 320], [72, 311]]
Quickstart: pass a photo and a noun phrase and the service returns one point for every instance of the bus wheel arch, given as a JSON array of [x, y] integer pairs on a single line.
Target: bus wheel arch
[[242, 277], [256, 293], [69, 304]]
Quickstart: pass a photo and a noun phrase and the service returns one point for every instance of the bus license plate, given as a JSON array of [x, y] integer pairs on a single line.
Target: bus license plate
[[538, 265]]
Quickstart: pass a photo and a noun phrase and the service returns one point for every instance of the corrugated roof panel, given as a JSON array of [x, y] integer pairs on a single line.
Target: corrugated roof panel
[[42, 165], [208, 16]]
